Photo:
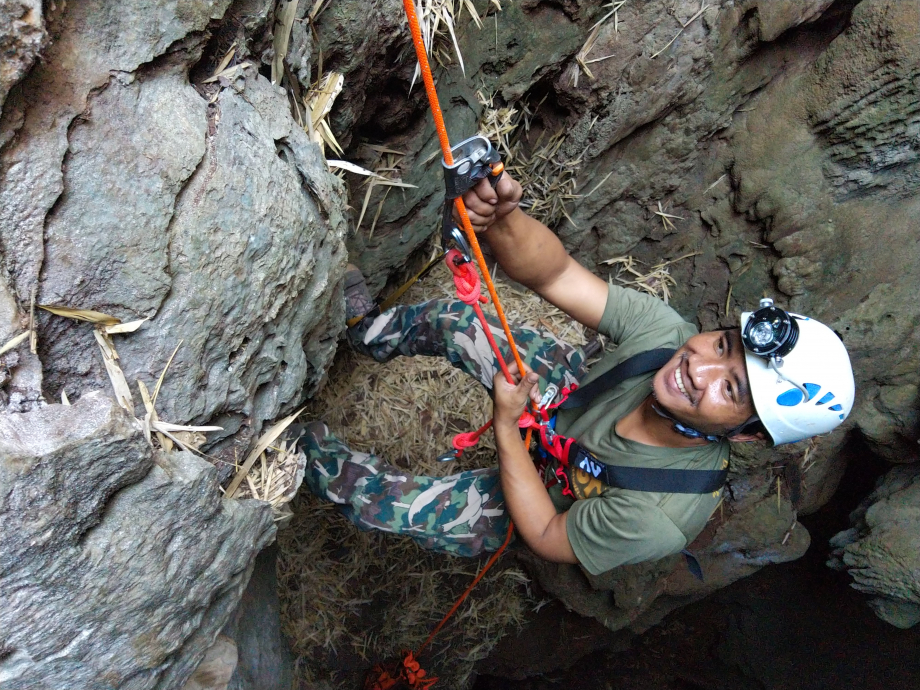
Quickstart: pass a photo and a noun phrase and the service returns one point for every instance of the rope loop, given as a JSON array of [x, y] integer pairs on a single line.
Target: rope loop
[[466, 279]]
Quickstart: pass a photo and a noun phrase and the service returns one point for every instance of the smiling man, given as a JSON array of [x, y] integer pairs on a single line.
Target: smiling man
[[651, 424]]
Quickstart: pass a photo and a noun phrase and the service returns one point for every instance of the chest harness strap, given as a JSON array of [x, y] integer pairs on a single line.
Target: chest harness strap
[[572, 456]]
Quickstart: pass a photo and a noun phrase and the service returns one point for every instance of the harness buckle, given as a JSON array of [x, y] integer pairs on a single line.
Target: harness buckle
[[449, 456]]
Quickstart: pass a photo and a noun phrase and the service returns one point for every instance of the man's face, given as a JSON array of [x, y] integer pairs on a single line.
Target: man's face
[[705, 383]]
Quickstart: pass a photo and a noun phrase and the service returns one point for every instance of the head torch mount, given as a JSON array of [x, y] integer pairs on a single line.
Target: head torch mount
[[770, 333]]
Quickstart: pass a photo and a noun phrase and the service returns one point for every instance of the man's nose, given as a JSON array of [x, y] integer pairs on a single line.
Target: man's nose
[[703, 370]]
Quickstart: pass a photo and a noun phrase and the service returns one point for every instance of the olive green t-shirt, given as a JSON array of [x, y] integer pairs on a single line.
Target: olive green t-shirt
[[622, 526]]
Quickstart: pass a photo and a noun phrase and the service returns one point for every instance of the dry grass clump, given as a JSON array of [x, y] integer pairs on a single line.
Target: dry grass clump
[[275, 478], [351, 598], [547, 176], [656, 281]]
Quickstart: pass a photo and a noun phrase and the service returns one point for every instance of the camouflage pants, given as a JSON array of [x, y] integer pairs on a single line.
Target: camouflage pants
[[462, 514]]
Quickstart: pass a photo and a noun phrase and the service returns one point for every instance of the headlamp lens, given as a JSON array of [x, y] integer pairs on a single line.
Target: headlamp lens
[[770, 332], [762, 334]]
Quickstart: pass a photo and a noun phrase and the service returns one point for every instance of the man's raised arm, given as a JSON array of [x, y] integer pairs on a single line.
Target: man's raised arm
[[530, 253]]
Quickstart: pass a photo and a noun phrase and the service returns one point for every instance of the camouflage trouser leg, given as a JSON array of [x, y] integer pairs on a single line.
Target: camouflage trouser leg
[[450, 328], [462, 514]]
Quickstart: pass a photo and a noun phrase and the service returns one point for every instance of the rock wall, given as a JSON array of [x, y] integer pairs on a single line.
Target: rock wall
[[882, 551], [120, 565], [132, 186], [127, 191], [782, 136]]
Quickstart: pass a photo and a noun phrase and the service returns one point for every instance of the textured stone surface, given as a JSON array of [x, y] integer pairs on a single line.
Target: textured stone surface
[[119, 566], [881, 552], [22, 34], [264, 660], [126, 192]]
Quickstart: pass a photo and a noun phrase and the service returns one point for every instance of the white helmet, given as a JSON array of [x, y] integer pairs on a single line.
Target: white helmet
[[799, 372]]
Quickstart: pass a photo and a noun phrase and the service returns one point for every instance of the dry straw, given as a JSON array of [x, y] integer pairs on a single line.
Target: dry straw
[[656, 281], [547, 175]]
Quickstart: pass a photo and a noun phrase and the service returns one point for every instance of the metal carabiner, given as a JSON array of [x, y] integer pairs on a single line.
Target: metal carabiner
[[552, 390], [451, 234], [449, 456]]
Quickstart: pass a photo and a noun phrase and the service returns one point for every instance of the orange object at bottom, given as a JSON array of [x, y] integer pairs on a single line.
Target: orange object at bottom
[[396, 675]]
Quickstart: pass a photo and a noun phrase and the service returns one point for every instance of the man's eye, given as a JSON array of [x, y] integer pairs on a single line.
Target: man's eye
[[731, 392], [721, 345]]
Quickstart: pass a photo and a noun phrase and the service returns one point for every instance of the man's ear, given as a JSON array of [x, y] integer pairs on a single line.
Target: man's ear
[[747, 438]]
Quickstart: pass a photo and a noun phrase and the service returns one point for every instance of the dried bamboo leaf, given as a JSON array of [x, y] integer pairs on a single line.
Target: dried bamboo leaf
[[81, 314], [329, 137], [148, 406], [265, 441], [116, 375], [21, 338], [351, 167], [321, 98], [367, 198], [64, 399], [167, 426], [226, 60], [33, 341], [129, 327], [227, 73], [156, 389], [284, 22]]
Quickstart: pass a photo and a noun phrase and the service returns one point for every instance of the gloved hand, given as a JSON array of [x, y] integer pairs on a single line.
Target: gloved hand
[[485, 205]]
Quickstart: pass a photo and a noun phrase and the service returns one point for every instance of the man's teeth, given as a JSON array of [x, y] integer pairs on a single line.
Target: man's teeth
[[680, 382]]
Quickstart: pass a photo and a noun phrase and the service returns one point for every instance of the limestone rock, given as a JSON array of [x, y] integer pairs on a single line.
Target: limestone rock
[[264, 660], [119, 565], [124, 190], [22, 35], [882, 550]]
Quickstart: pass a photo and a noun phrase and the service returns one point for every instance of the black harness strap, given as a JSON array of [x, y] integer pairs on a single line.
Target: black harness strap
[[642, 363], [653, 479]]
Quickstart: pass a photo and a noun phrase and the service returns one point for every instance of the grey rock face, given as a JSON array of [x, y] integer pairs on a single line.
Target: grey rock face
[[264, 655], [22, 34], [882, 550], [126, 192], [119, 566]]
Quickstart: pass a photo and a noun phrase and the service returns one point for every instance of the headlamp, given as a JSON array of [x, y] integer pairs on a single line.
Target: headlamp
[[770, 332]]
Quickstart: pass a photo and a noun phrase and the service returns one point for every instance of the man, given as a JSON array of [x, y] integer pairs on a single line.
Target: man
[[714, 389]]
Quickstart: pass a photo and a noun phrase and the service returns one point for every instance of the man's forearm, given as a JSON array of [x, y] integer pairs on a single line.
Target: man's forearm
[[528, 502], [528, 251]]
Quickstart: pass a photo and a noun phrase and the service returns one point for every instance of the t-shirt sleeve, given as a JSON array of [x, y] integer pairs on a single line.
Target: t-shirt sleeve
[[632, 314], [620, 528]]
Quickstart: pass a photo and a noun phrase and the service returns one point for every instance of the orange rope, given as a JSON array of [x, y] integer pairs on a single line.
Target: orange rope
[[469, 589], [449, 159]]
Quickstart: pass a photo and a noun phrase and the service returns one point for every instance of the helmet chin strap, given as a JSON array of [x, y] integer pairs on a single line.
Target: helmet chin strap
[[683, 429], [690, 432]]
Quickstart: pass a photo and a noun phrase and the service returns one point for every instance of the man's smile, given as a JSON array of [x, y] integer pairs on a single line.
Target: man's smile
[[678, 381]]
